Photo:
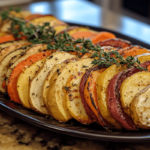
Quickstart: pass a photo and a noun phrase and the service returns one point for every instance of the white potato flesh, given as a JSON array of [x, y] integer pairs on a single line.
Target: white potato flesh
[[50, 77], [140, 109], [131, 86], [57, 101], [36, 85]]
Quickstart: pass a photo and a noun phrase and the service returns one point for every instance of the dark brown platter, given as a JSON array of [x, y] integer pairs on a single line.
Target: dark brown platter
[[72, 127]]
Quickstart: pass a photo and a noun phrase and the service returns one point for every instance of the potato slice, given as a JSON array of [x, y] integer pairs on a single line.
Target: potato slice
[[24, 79], [59, 28], [102, 84], [140, 108], [32, 50], [6, 44], [74, 102], [70, 32], [7, 61], [7, 50], [36, 85], [47, 18], [52, 75], [144, 57], [57, 95], [131, 86]]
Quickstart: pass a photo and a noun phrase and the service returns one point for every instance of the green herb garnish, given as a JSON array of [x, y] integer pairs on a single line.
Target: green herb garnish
[[46, 35]]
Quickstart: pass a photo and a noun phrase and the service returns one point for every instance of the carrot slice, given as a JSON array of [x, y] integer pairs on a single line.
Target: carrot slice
[[90, 92], [101, 36], [12, 83], [6, 38], [83, 34]]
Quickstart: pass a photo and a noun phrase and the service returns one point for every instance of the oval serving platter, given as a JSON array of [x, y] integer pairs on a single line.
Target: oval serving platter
[[73, 128]]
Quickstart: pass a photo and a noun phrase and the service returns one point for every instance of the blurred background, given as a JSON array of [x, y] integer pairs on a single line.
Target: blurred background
[[130, 17]]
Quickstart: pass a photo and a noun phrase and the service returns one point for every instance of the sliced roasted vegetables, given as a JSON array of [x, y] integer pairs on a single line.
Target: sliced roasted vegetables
[[115, 42], [12, 82], [90, 93], [102, 84], [140, 108], [24, 79], [66, 87], [36, 85], [7, 38], [57, 101], [101, 36], [33, 49], [131, 86], [114, 103], [133, 51], [7, 61], [9, 43]]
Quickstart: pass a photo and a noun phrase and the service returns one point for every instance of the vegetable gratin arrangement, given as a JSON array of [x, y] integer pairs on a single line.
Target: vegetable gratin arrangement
[[74, 72]]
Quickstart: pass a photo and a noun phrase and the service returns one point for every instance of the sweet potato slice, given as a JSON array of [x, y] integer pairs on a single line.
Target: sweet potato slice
[[115, 42], [90, 95], [12, 82], [114, 103], [88, 110], [133, 51], [24, 79], [140, 108], [101, 36], [102, 84], [83, 34], [7, 38]]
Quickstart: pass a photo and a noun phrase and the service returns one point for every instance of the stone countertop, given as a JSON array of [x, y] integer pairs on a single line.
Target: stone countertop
[[18, 135]]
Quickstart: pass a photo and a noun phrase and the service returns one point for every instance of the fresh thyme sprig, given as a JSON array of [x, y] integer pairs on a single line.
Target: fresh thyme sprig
[[46, 35]]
